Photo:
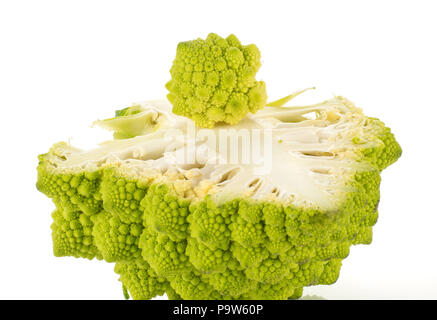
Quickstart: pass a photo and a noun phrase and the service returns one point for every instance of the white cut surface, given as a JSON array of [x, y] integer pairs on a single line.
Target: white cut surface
[[304, 155]]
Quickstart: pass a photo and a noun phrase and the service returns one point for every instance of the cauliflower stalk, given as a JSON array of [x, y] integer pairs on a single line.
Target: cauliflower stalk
[[220, 230]]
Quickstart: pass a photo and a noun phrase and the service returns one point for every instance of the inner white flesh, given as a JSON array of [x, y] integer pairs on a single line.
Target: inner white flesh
[[311, 154]]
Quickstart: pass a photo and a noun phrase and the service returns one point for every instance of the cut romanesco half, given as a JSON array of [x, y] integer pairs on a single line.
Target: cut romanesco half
[[217, 229]]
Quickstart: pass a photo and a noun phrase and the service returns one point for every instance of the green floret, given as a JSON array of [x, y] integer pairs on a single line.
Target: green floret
[[122, 196], [249, 257], [72, 235], [140, 280], [205, 259], [331, 272], [171, 294], [210, 224], [117, 241], [271, 270], [213, 81], [165, 256], [279, 291], [189, 286], [232, 283], [381, 149], [247, 234], [74, 191], [300, 254], [165, 212], [307, 274]]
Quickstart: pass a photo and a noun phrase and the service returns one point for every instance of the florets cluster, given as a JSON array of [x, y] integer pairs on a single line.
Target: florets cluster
[[213, 81]]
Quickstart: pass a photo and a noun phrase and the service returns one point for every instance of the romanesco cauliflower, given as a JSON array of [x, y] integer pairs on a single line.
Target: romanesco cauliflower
[[213, 81], [221, 230]]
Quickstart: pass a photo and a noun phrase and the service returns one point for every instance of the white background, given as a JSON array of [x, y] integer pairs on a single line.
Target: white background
[[64, 64]]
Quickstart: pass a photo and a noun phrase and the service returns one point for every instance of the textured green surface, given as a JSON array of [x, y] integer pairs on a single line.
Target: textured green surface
[[213, 81], [241, 249]]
